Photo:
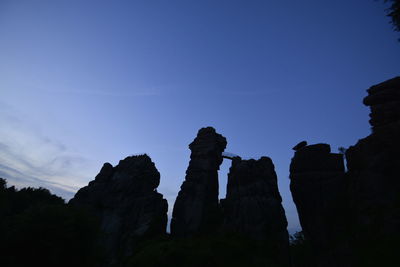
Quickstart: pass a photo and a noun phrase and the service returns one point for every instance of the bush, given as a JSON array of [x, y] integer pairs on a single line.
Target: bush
[[209, 251], [39, 229]]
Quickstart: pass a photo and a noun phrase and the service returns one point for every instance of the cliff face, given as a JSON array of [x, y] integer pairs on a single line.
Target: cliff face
[[252, 208], [319, 188], [373, 166], [196, 208], [253, 204], [125, 200], [343, 213]]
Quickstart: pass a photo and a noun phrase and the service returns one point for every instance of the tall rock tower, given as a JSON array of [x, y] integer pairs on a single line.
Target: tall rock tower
[[253, 205], [319, 190], [196, 208], [373, 167]]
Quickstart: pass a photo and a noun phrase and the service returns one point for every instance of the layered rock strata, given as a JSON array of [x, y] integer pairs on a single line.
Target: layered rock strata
[[253, 205], [196, 209], [373, 167], [319, 190]]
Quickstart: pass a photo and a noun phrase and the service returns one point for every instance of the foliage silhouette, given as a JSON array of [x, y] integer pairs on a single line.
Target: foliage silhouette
[[216, 250], [300, 250], [39, 229], [394, 13]]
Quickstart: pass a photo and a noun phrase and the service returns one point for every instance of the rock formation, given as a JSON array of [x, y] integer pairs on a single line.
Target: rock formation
[[196, 209], [373, 166], [253, 204], [319, 188], [343, 213], [299, 145], [125, 200]]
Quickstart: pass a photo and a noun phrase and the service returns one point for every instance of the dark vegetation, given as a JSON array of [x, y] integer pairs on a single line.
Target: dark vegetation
[[349, 218], [301, 251], [394, 13], [39, 229], [218, 250], [235, 250]]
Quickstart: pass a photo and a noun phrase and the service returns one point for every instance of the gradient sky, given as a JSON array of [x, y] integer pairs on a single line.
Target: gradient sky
[[88, 82]]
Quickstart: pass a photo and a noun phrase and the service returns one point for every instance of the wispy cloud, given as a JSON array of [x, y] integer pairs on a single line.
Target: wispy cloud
[[106, 91], [109, 92], [20, 179], [29, 158]]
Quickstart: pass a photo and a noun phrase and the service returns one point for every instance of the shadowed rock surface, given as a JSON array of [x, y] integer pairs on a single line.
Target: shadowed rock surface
[[319, 188], [253, 204], [373, 166], [196, 209], [125, 200], [353, 219]]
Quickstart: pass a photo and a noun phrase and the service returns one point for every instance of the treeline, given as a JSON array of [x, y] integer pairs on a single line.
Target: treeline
[[38, 228]]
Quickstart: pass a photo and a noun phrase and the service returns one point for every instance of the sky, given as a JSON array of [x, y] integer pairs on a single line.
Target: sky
[[88, 82]]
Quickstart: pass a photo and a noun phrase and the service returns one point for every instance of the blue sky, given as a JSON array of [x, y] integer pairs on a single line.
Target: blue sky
[[88, 82]]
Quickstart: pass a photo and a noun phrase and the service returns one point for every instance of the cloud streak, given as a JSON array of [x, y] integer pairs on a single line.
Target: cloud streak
[[107, 92], [29, 158]]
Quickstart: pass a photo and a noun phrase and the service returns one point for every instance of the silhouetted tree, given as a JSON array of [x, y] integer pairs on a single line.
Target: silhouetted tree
[[300, 250], [216, 250], [3, 184], [37, 228], [394, 13]]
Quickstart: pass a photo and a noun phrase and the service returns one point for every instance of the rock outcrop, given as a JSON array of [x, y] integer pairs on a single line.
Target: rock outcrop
[[196, 209], [346, 214], [373, 167], [319, 188], [300, 145], [253, 204], [125, 200]]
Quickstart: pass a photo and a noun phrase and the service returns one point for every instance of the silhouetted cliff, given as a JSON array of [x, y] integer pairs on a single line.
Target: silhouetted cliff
[[252, 206], [373, 170], [196, 208], [125, 200], [353, 218], [319, 190], [349, 218]]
